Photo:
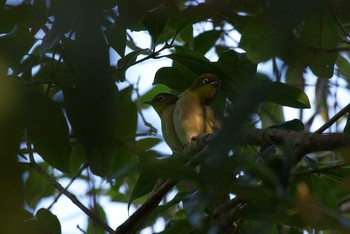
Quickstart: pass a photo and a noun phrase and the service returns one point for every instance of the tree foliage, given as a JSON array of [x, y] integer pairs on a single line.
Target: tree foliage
[[63, 114]]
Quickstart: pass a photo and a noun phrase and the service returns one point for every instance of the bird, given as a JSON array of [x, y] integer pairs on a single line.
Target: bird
[[164, 104], [193, 114]]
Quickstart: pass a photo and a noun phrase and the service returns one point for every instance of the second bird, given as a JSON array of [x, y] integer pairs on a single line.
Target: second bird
[[164, 104], [193, 114]]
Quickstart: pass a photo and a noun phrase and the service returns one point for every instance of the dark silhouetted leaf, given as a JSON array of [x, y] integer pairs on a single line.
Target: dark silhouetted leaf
[[206, 40], [144, 185], [320, 31], [36, 188], [48, 130], [47, 222], [116, 36], [285, 95]]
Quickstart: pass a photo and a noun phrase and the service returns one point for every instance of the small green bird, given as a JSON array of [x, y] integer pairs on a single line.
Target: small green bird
[[164, 104], [193, 114]]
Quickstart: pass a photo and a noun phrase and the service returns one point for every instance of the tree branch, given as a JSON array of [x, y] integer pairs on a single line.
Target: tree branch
[[334, 119], [71, 197], [59, 187], [137, 219], [303, 142], [69, 184]]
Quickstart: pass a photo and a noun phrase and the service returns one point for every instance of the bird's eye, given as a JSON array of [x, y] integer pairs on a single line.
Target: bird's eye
[[205, 81], [161, 98]]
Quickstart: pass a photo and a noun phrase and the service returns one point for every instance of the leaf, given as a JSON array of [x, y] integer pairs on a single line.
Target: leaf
[[343, 66], [175, 78], [294, 124], [347, 126], [52, 38], [126, 120], [173, 168], [155, 20], [237, 73], [147, 143], [93, 228], [125, 62], [116, 36], [285, 95], [37, 188], [48, 130], [320, 31], [193, 61], [178, 226], [193, 14], [144, 185], [206, 40], [13, 15], [47, 222], [312, 163]]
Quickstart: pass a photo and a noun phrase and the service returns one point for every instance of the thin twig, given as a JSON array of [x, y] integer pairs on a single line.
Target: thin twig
[[71, 197], [59, 187], [152, 130], [69, 184], [334, 119], [153, 55], [320, 170]]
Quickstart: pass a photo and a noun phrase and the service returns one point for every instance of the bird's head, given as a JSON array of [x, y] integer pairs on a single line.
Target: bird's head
[[162, 100], [206, 87]]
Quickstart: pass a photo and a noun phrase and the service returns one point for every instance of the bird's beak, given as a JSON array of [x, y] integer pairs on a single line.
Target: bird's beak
[[148, 102], [215, 84]]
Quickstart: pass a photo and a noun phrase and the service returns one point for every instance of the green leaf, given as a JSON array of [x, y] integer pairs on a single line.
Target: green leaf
[[206, 40], [347, 126], [155, 20], [147, 143], [126, 120], [116, 36], [144, 185], [179, 226], [176, 78], [172, 167], [194, 14], [37, 188], [93, 228], [186, 36], [320, 31], [125, 62], [52, 38], [294, 124], [343, 66], [47, 222], [285, 95], [48, 130], [237, 73], [16, 14], [193, 61]]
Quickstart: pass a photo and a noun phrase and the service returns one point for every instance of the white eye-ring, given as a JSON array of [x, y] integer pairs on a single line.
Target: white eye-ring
[[161, 98], [205, 81]]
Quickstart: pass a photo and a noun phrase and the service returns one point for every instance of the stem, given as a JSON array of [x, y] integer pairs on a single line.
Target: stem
[[320, 170], [69, 184], [334, 119], [153, 55], [59, 187]]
